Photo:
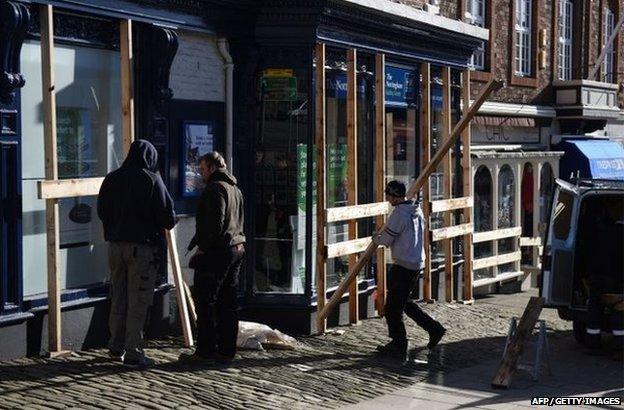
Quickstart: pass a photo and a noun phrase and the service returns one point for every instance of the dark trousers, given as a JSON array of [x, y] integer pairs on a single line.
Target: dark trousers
[[401, 282], [215, 295]]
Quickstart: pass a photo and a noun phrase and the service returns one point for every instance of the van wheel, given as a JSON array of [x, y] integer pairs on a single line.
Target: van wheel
[[579, 330]]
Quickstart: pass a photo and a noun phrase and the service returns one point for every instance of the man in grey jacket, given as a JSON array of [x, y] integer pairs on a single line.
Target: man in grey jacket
[[403, 233]]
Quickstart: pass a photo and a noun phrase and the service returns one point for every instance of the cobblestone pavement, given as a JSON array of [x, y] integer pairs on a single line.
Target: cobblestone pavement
[[324, 372]]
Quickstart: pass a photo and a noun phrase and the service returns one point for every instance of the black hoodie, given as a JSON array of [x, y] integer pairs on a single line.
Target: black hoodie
[[133, 203], [219, 220]]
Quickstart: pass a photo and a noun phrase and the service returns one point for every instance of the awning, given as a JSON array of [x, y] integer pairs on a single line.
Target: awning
[[504, 121], [591, 158]]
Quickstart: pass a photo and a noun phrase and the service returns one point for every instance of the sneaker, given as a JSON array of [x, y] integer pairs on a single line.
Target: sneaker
[[394, 350], [195, 359], [435, 336], [138, 363], [116, 356]]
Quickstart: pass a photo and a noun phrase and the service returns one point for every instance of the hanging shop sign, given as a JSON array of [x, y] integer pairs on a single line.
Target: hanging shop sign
[[199, 139]]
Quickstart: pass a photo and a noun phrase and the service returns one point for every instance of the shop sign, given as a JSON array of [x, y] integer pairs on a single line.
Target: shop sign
[[400, 86], [336, 86], [279, 88], [278, 72]]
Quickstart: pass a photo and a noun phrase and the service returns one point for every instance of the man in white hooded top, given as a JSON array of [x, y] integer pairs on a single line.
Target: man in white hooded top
[[403, 233]]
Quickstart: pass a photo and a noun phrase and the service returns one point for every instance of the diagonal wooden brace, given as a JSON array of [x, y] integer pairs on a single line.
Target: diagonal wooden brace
[[492, 86]]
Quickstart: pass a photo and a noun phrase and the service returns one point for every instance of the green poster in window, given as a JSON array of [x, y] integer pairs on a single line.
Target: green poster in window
[[74, 143], [279, 88]]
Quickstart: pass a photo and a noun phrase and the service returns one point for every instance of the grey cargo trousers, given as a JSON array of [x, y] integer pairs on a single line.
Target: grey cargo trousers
[[133, 268]]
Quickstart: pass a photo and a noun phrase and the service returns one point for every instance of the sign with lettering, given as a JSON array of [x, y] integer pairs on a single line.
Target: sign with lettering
[[400, 86]]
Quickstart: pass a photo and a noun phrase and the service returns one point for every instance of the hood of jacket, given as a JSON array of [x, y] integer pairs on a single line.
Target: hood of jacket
[[223, 175], [142, 155]]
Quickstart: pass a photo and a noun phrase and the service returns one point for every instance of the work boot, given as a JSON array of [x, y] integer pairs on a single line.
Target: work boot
[[116, 356], [138, 363], [435, 336], [195, 359], [394, 350]]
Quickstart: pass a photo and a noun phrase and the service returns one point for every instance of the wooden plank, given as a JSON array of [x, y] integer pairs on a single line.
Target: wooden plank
[[508, 366], [351, 247], [452, 204], [451, 232], [179, 288], [466, 163], [51, 173], [380, 172], [447, 181], [320, 140], [68, 188], [497, 260], [127, 83], [526, 241], [346, 213], [190, 302], [479, 237], [352, 192], [425, 157], [491, 86], [497, 279]]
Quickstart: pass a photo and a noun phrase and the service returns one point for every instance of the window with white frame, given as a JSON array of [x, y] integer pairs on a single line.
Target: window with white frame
[[608, 25], [476, 13], [565, 39], [522, 46]]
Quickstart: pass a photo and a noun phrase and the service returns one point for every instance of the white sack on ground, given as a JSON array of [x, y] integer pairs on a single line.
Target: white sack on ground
[[256, 336]]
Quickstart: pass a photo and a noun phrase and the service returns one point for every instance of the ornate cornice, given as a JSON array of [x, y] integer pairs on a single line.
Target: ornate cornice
[[14, 18]]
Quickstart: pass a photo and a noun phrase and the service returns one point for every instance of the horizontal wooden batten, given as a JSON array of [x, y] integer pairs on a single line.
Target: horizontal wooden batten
[[452, 204], [498, 278], [527, 241], [497, 234], [346, 213], [451, 232], [496, 260], [347, 247], [68, 188]]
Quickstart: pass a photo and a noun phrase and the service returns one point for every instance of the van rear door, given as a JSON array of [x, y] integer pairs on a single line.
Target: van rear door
[[558, 266]]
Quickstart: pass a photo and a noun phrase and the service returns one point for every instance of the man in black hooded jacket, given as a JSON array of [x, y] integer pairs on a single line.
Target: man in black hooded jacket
[[220, 238], [135, 209]]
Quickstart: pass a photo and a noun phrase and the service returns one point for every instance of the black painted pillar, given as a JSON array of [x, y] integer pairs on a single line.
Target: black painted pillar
[[14, 19]]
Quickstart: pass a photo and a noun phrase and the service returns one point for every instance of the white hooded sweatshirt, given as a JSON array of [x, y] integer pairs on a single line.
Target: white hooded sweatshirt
[[403, 233]]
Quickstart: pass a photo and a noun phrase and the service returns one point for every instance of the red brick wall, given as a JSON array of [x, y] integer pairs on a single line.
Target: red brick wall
[[587, 21]]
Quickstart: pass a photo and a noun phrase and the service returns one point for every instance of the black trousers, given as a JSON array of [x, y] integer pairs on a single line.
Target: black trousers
[[401, 282], [215, 295]]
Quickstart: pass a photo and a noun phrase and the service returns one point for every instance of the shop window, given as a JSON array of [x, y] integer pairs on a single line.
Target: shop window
[[402, 144], [89, 136], [565, 39], [526, 210], [483, 216], [280, 200], [336, 152], [506, 203], [437, 177], [547, 183]]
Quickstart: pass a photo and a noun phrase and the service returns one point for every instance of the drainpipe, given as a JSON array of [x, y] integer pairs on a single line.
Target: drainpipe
[[223, 47]]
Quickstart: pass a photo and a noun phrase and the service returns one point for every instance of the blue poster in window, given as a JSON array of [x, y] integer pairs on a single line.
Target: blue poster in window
[[198, 141], [400, 86], [336, 85]]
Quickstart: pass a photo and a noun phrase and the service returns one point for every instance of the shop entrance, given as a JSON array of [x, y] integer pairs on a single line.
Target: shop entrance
[[9, 208]]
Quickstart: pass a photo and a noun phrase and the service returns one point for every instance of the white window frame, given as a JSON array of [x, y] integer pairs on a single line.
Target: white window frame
[[566, 14], [476, 14], [523, 29], [608, 25]]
